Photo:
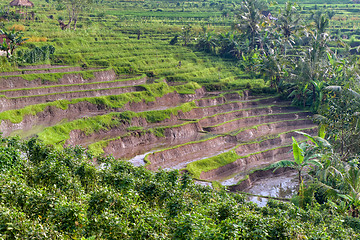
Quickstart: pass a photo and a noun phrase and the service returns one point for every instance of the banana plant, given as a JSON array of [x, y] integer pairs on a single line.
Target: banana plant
[[304, 155], [12, 41]]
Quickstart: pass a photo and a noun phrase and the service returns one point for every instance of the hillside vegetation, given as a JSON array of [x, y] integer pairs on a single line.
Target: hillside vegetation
[[50, 194], [211, 96]]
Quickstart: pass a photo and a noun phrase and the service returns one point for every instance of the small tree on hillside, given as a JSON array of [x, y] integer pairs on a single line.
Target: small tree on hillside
[[74, 7], [186, 34]]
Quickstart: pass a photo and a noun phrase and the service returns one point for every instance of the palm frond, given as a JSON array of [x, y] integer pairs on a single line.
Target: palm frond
[[283, 164]]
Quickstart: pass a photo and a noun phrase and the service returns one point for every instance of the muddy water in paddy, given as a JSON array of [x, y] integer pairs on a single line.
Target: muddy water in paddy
[[138, 160], [281, 186]]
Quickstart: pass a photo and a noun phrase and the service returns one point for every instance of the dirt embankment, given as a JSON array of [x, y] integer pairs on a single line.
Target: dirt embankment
[[247, 122], [220, 118], [73, 88], [248, 163], [140, 142], [71, 78], [259, 159], [191, 151], [283, 139], [257, 175], [53, 115], [214, 101], [50, 69], [78, 137], [226, 106], [17, 103], [273, 128]]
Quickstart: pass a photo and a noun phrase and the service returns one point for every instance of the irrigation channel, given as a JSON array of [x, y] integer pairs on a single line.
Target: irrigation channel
[[215, 136]]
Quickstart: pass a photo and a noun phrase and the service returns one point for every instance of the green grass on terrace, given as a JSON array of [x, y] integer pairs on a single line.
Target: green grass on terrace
[[115, 101], [211, 163]]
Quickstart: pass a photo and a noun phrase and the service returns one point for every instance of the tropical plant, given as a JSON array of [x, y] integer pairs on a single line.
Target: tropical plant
[[174, 40], [36, 54], [341, 116], [74, 8], [305, 155], [273, 66], [229, 45], [250, 20], [186, 34], [311, 66], [12, 40], [288, 24], [341, 180], [207, 42]]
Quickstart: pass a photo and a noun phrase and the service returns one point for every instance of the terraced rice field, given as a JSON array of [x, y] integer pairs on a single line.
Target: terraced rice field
[[216, 136]]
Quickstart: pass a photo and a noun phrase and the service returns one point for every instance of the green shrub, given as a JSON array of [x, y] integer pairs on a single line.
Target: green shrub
[[37, 54]]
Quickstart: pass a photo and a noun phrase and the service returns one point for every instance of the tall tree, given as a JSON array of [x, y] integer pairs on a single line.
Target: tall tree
[[288, 24], [312, 64], [250, 20], [341, 118]]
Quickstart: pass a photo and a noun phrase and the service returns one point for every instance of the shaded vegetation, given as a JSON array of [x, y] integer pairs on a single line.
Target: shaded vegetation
[[60, 194]]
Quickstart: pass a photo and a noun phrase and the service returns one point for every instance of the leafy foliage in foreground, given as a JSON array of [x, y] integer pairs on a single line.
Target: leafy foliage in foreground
[[46, 193]]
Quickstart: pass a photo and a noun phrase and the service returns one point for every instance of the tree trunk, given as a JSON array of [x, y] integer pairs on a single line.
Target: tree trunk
[[314, 93], [75, 21]]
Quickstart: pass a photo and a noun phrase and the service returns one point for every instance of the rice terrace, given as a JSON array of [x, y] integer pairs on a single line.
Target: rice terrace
[[200, 119]]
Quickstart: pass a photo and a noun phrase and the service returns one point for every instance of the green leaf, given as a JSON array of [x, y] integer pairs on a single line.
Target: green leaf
[[315, 162], [298, 152], [308, 136], [322, 131], [283, 164], [346, 197]]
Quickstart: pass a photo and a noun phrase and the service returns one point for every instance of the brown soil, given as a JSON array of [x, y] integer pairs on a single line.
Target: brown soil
[[247, 122], [41, 66], [73, 87], [220, 118], [180, 140], [16, 103], [273, 128], [245, 164], [60, 69], [205, 111], [257, 160], [136, 122], [174, 156], [78, 137], [53, 115], [140, 142], [72, 78], [283, 139]]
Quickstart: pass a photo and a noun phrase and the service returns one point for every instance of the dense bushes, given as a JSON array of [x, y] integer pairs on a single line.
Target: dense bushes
[[47, 193], [37, 54]]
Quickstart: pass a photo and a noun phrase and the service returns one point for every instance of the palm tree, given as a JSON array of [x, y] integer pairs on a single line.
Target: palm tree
[[312, 65], [288, 23], [273, 67], [250, 20]]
